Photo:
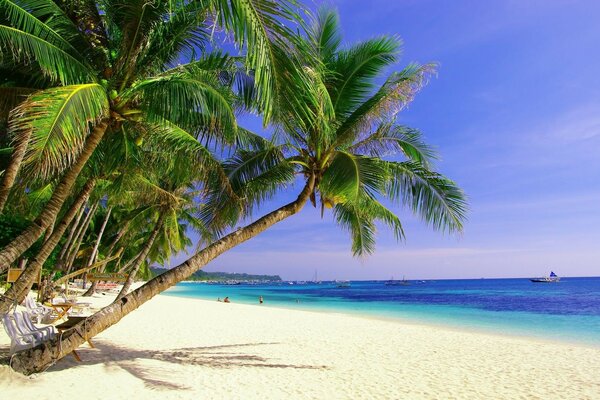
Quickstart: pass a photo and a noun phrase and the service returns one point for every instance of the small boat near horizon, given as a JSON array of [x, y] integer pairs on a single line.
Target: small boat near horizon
[[553, 278], [342, 284], [315, 280], [393, 282]]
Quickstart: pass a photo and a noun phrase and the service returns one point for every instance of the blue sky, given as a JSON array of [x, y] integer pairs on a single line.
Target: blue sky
[[514, 114]]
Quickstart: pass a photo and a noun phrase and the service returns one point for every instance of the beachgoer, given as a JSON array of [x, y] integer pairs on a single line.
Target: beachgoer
[[226, 300], [260, 300], [218, 299]]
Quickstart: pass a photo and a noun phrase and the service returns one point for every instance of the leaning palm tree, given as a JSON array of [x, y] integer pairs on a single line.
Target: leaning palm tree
[[129, 66], [337, 155]]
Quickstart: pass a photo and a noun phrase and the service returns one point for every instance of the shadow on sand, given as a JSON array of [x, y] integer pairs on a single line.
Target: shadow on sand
[[224, 356]]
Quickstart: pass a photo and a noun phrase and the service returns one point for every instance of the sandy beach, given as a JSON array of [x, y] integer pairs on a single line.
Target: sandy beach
[[179, 348]]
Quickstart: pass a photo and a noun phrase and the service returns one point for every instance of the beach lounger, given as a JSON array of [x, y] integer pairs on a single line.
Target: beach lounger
[[39, 311], [25, 327], [18, 341]]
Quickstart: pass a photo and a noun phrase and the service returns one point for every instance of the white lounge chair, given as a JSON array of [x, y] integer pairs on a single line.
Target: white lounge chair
[[39, 311], [18, 341], [24, 324]]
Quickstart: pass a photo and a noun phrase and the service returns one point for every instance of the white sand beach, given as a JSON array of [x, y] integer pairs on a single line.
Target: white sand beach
[[177, 348]]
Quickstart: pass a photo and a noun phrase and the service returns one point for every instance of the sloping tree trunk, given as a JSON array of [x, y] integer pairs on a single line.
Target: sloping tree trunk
[[120, 234], [10, 173], [140, 259], [21, 287], [39, 358], [80, 237], [65, 255], [22, 242], [95, 253], [74, 229], [129, 263]]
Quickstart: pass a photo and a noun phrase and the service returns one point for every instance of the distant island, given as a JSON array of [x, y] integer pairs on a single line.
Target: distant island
[[222, 276]]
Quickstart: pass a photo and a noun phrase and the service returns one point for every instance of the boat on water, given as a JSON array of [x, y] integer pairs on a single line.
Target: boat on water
[[315, 280], [342, 284], [553, 278], [396, 282]]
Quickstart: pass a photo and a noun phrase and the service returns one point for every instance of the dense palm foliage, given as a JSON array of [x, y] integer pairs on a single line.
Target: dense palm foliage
[[130, 68]]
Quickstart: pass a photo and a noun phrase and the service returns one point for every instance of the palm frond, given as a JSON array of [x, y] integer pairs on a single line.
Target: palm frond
[[196, 102], [260, 26], [58, 120], [55, 62], [25, 16], [362, 230], [382, 107], [437, 199], [392, 139], [177, 39], [355, 70], [349, 177], [324, 33]]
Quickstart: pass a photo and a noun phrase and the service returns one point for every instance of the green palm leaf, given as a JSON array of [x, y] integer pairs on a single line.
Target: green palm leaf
[[258, 25], [392, 139], [193, 101], [355, 69], [382, 107], [437, 199], [58, 121], [24, 15], [349, 176], [55, 63]]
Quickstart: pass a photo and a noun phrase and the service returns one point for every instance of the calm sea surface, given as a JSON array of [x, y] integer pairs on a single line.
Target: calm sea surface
[[568, 310]]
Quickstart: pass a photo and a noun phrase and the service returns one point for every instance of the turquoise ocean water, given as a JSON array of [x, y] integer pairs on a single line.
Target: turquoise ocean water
[[567, 311]]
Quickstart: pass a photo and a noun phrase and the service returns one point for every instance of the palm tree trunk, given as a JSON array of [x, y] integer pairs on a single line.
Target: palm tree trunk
[[80, 237], [139, 261], [39, 358], [63, 261], [120, 234], [22, 242], [10, 173], [129, 263], [95, 253], [74, 229], [21, 287]]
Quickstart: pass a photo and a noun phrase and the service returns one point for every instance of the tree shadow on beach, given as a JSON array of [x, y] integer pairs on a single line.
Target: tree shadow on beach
[[223, 356]]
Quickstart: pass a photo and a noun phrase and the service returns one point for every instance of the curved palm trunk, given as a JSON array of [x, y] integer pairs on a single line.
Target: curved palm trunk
[[95, 253], [21, 287], [39, 358], [22, 242], [10, 173], [140, 260]]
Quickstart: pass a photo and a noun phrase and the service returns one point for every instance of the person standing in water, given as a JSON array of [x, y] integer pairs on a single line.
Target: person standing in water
[[260, 299]]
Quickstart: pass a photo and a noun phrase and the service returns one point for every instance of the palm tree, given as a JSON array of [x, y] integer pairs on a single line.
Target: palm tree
[[129, 66], [337, 154]]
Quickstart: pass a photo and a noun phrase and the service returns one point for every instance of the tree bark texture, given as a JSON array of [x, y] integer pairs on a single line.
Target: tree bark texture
[[11, 171], [139, 261], [74, 229], [41, 357], [95, 252], [80, 237], [47, 217]]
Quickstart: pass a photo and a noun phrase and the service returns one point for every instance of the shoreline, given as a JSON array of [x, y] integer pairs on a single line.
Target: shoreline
[[174, 347], [417, 322]]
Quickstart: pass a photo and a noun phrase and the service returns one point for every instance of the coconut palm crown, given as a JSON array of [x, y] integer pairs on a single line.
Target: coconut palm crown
[[343, 147]]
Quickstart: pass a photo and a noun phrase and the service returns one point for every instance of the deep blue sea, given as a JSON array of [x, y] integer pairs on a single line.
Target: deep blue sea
[[568, 310]]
